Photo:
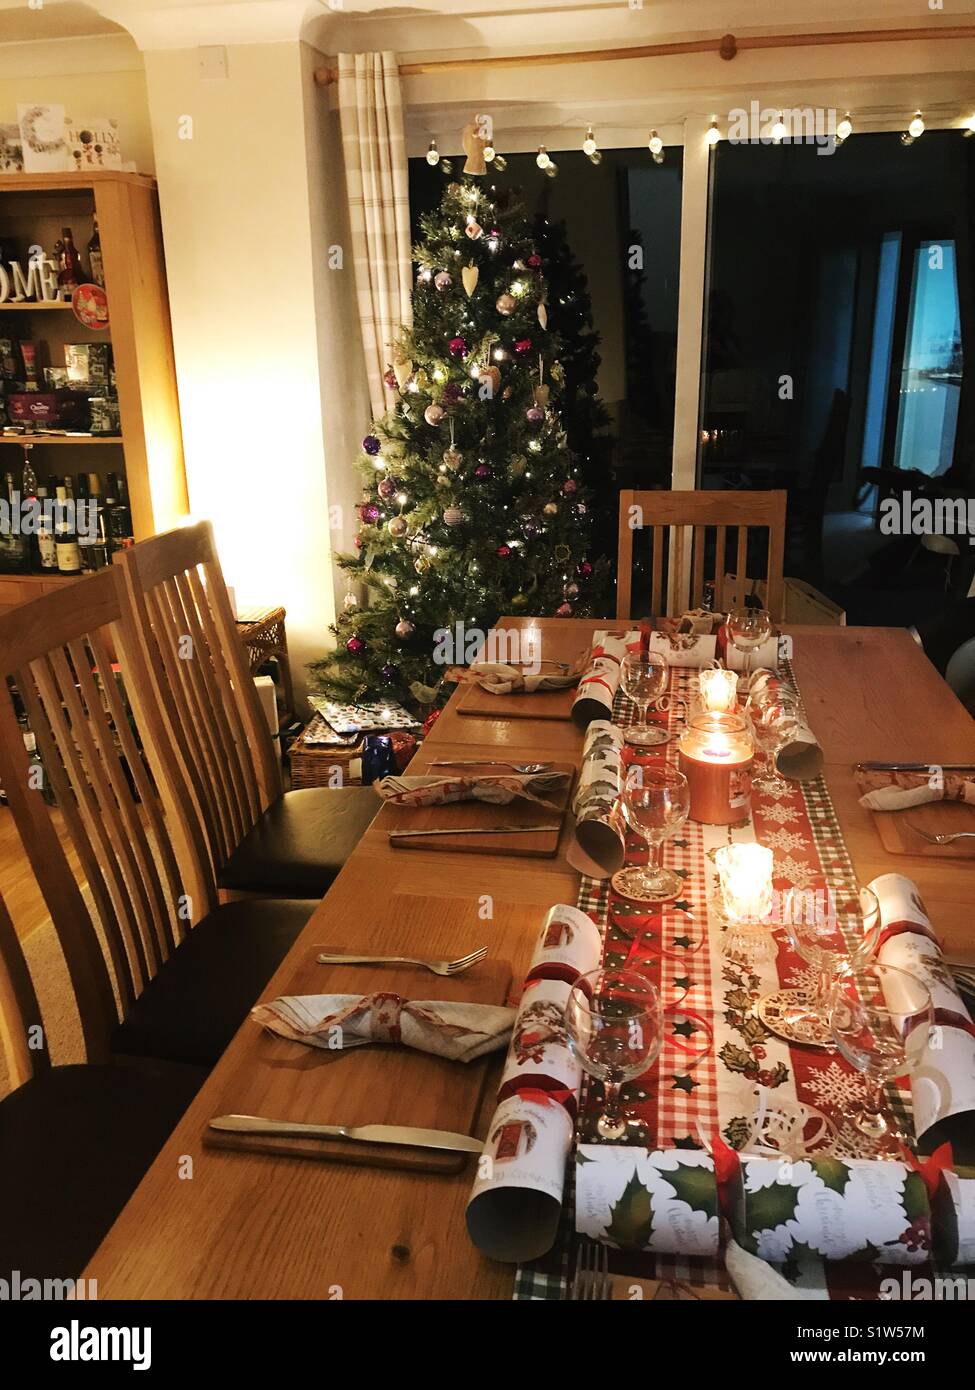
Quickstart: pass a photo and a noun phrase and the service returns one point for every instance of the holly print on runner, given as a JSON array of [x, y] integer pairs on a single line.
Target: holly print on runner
[[739, 1002]]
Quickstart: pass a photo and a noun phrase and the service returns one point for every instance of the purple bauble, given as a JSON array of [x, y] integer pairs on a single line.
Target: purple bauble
[[535, 416], [522, 346], [457, 347], [584, 569], [355, 646], [386, 487], [390, 672], [530, 530], [482, 471], [369, 513], [570, 486], [371, 445], [452, 393]]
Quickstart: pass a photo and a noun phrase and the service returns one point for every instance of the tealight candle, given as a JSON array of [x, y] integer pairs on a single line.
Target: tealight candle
[[719, 690], [745, 873]]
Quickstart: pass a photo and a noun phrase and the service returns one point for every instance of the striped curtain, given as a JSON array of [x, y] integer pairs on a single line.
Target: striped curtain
[[377, 180]]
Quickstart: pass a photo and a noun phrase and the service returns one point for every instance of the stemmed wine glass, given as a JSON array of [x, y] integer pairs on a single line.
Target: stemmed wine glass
[[656, 802], [748, 628], [614, 1021], [644, 679], [881, 1021], [774, 716], [836, 932]]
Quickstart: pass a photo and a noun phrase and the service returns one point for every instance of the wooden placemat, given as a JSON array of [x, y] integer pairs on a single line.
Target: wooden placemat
[[377, 1084], [937, 817], [543, 704], [477, 814]]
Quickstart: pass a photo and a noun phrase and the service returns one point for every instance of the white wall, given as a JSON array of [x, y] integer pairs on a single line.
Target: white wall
[[237, 223], [102, 76]]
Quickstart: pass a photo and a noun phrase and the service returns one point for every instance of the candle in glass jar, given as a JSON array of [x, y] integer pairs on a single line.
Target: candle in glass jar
[[715, 755], [719, 690], [745, 872]]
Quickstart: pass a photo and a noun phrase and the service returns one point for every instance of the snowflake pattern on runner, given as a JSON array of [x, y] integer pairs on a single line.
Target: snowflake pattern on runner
[[785, 840], [850, 1143], [775, 793], [794, 870], [834, 1086], [782, 815], [803, 977]]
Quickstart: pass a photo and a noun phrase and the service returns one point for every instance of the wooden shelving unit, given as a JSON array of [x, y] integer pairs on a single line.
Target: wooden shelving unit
[[149, 451]]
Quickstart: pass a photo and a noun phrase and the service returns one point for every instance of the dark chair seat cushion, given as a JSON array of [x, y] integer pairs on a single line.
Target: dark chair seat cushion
[[74, 1143], [203, 993], [300, 843]]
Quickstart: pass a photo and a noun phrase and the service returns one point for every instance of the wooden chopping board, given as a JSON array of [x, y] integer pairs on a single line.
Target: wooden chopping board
[[377, 1084], [543, 704], [478, 814], [937, 817]]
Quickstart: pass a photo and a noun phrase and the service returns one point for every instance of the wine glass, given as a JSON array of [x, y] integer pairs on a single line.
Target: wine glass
[[881, 1021], [775, 718], [748, 628], [656, 802], [614, 1021], [836, 931], [644, 679]]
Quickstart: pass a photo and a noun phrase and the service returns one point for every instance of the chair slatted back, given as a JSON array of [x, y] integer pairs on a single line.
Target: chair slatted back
[[176, 609], [702, 513], [58, 654], [20, 1014]]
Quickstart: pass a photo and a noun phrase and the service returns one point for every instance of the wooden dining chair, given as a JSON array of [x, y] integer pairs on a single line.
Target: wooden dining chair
[[158, 968], [176, 611], [704, 514], [74, 1140]]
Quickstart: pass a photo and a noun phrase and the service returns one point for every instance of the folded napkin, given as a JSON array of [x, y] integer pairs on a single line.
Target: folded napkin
[[802, 757], [498, 678], [500, 790], [898, 791], [448, 1028]]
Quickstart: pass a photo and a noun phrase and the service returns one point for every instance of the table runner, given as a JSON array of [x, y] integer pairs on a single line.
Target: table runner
[[716, 1049]]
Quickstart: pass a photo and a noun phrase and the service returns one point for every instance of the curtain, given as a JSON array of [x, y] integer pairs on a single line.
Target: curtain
[[377, 181]]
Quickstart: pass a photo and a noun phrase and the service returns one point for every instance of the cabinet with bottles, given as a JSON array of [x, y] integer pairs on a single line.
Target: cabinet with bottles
[[90, 444]]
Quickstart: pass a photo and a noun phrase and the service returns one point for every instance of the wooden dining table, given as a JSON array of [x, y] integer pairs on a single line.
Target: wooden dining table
[[209, 1224]]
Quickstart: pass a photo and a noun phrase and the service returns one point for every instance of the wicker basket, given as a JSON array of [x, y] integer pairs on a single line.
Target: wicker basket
[[314, 765]]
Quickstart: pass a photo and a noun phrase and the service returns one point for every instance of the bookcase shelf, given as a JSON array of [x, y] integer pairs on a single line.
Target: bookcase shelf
[[126, 206]]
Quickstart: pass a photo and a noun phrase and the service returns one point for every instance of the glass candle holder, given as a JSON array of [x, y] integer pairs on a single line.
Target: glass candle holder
[[745, 880], [719, 691]]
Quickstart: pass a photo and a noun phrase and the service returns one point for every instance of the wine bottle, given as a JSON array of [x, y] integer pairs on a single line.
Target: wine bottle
[[47, 555], [69, 276], [95, 266], [66, 537], [100, 542], [120, 519], [14, 549], [85, 537], [29, 498]]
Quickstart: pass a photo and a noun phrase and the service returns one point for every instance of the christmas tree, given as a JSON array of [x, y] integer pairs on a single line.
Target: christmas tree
[[474, 504]]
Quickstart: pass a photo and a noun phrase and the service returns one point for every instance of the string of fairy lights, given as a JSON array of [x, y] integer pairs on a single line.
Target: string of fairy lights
[[776, 132]]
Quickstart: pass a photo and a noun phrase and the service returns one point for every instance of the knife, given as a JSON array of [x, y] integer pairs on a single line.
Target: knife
[[363, 1134], [915, 767], [475, 830]]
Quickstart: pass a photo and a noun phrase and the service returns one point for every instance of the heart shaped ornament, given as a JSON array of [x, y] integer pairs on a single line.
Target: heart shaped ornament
[[402, 371], [470, 275], [543, 315]]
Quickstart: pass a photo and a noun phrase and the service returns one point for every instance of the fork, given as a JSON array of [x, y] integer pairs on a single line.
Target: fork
[[438, 967], [941, 839], [591, 1282], [526, 769]]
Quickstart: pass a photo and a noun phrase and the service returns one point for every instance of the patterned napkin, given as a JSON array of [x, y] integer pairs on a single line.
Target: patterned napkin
[[898, 791], [459, 1031], [497, 678], [436, 791]]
